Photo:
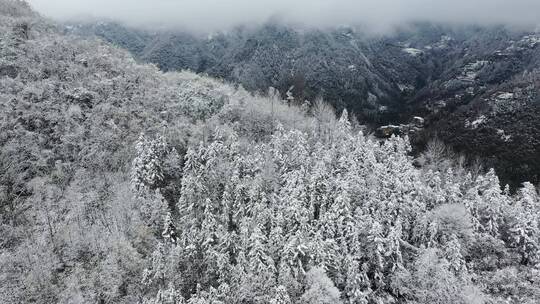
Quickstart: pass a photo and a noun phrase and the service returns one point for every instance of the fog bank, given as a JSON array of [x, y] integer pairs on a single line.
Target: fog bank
[[210, 15]]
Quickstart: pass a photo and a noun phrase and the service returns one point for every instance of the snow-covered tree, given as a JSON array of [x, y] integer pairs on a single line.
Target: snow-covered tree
[[166, 296], [147, 169], [320, 289], [169, 230], [456, 262], [280, 296]]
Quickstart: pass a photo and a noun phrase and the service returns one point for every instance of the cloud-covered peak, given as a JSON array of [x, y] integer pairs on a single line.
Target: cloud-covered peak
[[210, 15]]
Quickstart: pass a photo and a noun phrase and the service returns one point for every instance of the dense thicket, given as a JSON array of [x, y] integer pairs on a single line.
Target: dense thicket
[[305, 218], [122, 184]]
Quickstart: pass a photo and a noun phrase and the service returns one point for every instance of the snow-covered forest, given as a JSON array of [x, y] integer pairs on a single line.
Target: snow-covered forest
[[450, 76], [123, 184]]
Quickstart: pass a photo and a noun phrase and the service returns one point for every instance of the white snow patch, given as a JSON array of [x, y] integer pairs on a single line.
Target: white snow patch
[[405, 87], [477, 65], [443, 43], [531, 40], [468, 76], [470, 71], [440, 104], [413, 52], [504, 137], [476, 123], [505, 96]]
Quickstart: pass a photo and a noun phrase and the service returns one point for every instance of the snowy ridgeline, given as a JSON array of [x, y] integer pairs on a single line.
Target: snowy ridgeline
[[227, 197]]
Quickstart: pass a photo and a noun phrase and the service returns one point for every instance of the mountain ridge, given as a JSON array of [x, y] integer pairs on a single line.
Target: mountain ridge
[[449, 76]]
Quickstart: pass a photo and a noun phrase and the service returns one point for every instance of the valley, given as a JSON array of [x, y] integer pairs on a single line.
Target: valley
[[450, 76]]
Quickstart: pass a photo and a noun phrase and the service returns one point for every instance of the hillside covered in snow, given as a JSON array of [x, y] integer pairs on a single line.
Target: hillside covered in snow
[[120, 183], [448, 75]]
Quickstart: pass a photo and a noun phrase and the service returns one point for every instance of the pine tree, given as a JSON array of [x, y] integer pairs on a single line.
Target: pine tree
[[357, 287], [456, 262], [157, 273], [289, 281], [525, 225], [147, 171], [259, 260], [393, 246], [169, 230], [280, 296], [344, 122], [166, 296], [491, 203]]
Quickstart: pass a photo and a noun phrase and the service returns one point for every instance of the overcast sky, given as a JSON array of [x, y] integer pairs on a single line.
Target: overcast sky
[[210, 15]]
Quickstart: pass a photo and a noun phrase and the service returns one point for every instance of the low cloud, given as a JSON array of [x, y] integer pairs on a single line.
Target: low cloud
[[211, 15]]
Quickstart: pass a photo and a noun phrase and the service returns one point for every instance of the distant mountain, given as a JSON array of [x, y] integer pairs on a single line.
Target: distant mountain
[[477, 87], [372, 76]]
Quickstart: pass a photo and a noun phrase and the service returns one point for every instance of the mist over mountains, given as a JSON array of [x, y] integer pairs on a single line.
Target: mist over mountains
[[376, 16]]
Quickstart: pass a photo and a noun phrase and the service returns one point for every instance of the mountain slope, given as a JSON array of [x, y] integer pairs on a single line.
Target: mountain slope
[[123, 184], [450, 76]]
